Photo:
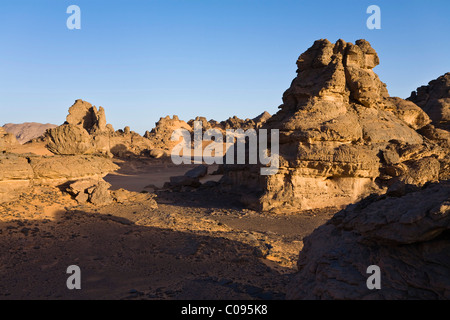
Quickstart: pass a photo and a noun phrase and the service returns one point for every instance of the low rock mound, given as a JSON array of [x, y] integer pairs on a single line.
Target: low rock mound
[[19, 172]]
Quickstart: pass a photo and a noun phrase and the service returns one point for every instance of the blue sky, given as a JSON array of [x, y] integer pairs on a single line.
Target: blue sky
[[143, 59]]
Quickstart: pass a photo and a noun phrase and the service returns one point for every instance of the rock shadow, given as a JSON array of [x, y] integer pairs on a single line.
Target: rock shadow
[[121, 260]]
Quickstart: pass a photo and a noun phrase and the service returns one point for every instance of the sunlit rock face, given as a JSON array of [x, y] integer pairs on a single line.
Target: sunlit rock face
[[342, 137]]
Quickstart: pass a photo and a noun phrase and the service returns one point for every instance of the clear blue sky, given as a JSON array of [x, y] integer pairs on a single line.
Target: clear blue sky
[[143, 59]]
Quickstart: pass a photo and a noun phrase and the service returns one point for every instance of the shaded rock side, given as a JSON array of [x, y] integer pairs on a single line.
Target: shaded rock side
[[84, 115], [408, 237], [335, 125], [84, 132], [434, 99]]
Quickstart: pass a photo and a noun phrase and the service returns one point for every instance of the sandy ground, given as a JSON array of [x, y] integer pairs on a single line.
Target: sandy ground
[[197, 244]]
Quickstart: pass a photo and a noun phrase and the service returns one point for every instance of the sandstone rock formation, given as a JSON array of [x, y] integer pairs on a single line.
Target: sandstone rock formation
[[236, 123], [86, 132], [70, 140], [233, 123], [261, 119], [18, 172], [27, 131], [341, 136], [434, 99], [7, 140], [95, 191], [84, 115], [161, 134], [408, 237], [128, 143]]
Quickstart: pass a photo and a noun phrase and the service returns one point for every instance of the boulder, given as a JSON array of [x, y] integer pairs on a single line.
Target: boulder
[[197, 172], [99, 194], [95, 191], [69, 140], [86, 132], [157, 153]]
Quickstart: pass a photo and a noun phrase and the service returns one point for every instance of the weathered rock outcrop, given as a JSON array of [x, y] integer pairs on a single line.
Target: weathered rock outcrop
[[236, 123], [126, 142], [84, 115], [341, 136], [261, 119], [86, 132], [70, 140], [7, 140], [161, 134], [95, 191], [18, 172], [408, 237], [434, 99]]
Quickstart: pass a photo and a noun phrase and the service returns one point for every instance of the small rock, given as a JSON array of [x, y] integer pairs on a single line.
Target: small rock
[[198, 172]]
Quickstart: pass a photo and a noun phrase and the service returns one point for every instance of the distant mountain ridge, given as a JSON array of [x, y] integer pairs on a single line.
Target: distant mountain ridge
[[24, 132]]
